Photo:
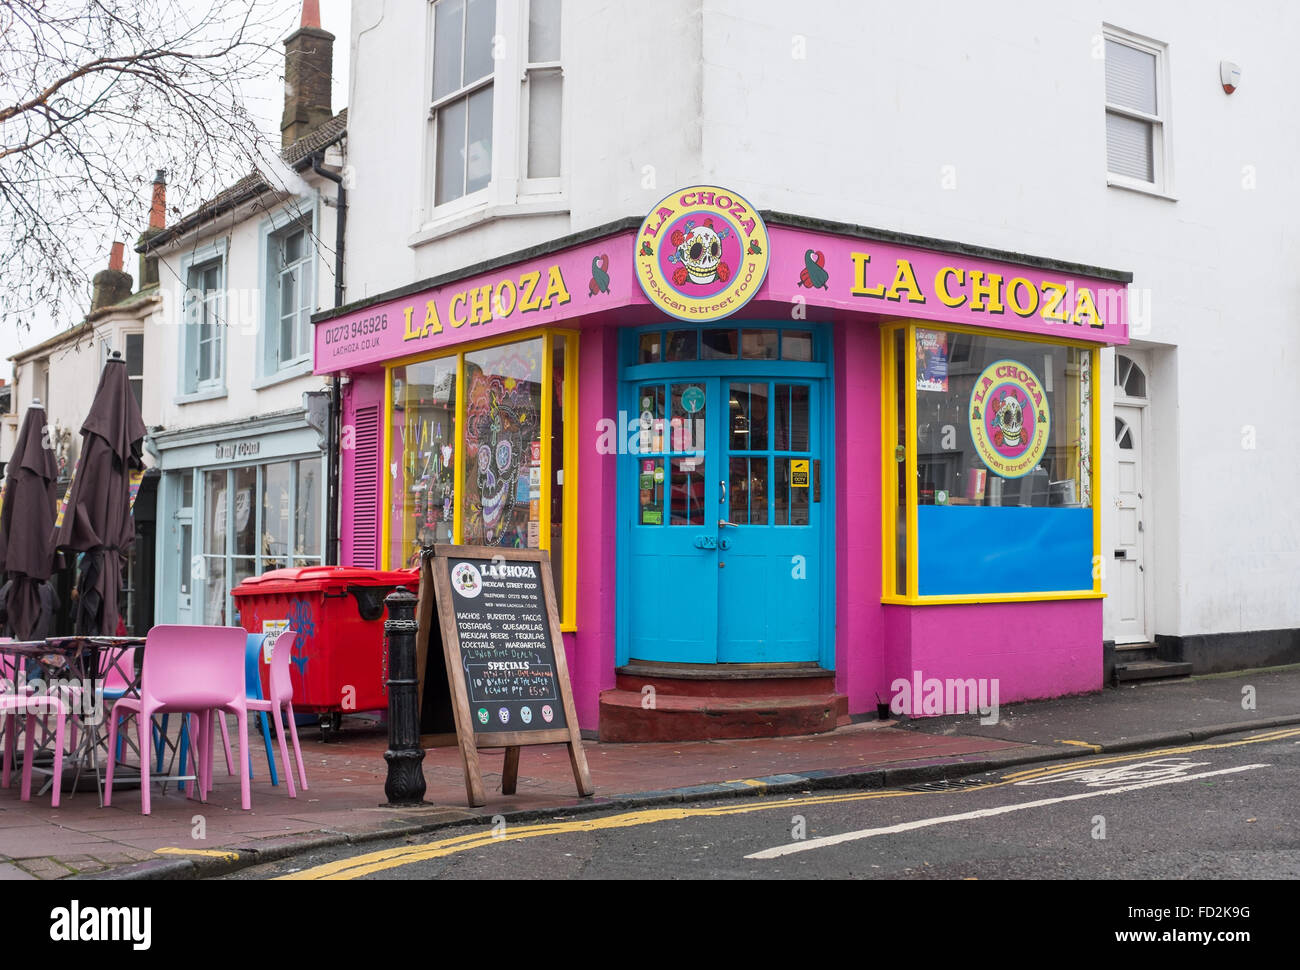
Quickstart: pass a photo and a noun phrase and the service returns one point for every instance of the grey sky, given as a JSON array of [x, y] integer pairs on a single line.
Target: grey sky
[[266, 100]]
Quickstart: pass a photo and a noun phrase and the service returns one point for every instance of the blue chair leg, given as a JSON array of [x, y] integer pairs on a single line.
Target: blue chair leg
[[266, 737], [160, 742], [184, 742]]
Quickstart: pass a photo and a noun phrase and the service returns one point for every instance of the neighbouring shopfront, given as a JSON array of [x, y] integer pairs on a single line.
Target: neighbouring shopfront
[[759, 449], [235, 500]]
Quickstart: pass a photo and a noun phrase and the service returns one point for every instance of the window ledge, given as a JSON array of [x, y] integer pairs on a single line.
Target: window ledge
[[480, 216], [208, 394], [1144, 189], [288, 373]]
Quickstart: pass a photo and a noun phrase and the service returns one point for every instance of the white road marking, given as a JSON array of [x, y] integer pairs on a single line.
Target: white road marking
[[783, 850]]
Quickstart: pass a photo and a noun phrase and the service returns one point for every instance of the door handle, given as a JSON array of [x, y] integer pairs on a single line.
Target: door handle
[[724, 524], [722, 492]]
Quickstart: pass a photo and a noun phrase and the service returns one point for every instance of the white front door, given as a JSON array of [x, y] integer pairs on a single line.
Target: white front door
[[1128, 571]]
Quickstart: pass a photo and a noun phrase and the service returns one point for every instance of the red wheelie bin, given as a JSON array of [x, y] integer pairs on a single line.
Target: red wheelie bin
[[336, 615]]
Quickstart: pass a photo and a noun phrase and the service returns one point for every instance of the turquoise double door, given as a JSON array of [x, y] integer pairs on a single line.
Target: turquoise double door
[[724, 491]]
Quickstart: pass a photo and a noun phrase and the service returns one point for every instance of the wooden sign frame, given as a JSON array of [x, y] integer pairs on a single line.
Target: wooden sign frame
[[436, 597]]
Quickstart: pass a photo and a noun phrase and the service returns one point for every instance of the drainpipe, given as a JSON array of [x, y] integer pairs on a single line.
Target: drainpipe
[[336, 400]]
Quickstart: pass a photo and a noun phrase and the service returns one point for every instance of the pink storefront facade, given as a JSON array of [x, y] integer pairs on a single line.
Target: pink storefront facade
[[833, 456]]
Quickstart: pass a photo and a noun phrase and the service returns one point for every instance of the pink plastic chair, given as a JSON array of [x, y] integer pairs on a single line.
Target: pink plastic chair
[[14, 702], [190, 670], [280, 706]]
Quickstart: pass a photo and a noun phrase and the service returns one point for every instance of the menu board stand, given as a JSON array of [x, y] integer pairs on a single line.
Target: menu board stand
[[504, 660]]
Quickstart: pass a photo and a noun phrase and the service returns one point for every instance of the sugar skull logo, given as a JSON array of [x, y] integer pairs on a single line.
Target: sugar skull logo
[[1010, 418], [702, 253], [698, 254], [499, 457]]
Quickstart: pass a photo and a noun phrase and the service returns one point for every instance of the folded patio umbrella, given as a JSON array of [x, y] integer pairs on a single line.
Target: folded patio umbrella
[[97, 521], [27, 599]]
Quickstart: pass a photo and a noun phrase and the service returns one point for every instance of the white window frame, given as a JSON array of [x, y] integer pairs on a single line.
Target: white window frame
[[1162, 158], [547, 185], [509, 192], [479, 196], [304, 213], [195, 389]]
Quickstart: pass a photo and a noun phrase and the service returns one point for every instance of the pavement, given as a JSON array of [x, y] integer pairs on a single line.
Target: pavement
[[184, 838]]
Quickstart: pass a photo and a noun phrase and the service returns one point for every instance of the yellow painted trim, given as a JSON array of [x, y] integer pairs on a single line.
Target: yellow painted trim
[[913, 567], [548, 395], [1008, 334], [458, 483], [1094, 459], [888, 501], [386, 471], [1080, 594], [569, 610], [469, 347]]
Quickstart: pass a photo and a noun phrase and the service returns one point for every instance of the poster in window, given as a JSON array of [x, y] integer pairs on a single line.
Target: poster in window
[[931, 360]]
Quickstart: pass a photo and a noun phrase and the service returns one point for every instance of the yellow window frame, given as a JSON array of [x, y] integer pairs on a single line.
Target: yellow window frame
[[889, 475], [551, 339]]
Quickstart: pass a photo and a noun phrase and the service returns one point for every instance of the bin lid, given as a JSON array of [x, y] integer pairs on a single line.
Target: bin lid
[[308, 579]]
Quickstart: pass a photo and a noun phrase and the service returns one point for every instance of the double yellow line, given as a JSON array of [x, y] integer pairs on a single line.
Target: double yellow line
[[372, 862]]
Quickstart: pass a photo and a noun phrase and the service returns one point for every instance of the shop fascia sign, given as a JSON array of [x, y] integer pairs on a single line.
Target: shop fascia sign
[[820, 269], [555, 287], [703, 253]]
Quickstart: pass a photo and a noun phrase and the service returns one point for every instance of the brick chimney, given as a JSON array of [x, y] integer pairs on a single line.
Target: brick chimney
[[157, 223], [308, 70], [111, 285]]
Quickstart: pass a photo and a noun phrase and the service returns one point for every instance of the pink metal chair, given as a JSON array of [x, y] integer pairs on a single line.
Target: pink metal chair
[[280, 706], [191, 670]]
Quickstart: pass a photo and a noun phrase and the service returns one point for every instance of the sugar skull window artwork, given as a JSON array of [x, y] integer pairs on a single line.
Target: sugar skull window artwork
[[502, 442]]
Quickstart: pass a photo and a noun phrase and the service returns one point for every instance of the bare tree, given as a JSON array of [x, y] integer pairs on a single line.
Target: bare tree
[[97, 94]]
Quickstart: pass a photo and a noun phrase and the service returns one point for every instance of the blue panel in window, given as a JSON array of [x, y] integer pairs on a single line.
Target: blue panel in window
[[988, 549]]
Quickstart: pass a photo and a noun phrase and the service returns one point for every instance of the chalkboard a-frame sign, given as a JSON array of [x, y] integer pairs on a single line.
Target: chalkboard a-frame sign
[[506, 676]]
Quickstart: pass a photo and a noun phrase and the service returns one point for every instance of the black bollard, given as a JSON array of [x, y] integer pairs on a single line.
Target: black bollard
[[405, 757]]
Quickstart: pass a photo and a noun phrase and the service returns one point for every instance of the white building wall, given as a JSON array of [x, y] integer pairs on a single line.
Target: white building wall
[[982, 123], [632, 94], [244, 280]]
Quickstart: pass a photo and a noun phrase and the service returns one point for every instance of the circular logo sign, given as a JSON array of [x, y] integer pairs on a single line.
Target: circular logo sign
[[701, 253], [1009, 418], [693, 399], [465, 579]]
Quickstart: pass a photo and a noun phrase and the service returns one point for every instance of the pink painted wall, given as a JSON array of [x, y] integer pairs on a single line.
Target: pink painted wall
[[1035, 650], [859, 662], [591, 654], [365, 390]]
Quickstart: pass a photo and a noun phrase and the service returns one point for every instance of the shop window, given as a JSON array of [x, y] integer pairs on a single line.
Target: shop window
[[1137, 150], [215, 531], [994, 486], [424, 448], [481, 442], [255, 518]]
